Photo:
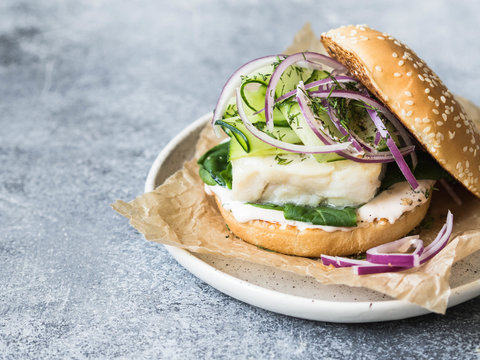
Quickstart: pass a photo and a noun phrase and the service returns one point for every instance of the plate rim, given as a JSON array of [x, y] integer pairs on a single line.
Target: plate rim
[[288, 304]]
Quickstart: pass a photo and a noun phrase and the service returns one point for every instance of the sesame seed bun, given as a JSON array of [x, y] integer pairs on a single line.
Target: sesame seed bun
[[415, 94], [314, 242]]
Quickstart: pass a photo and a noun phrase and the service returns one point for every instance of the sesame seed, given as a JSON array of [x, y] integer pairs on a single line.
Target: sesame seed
[[409, 113], [437, 103], [408, 93], [465, 148], [409, 102], [467, 164], [426, 129], [456, 118], [447, 112], [386, 98], [415, 66], [378, 68], [435, 111], [397, 43], [439, 123], [394, 54], [426, 120], [401, 62], [459, 165], [409, 73], [427, 91], [443, 99], [444, 117], [431, 98], [380, 38], [470, 149], [421, 77], [459, 125], [451, 135], [418, 120], [397, 74]]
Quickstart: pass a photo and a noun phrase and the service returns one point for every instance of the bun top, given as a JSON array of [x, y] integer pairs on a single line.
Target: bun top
[[415, 94]]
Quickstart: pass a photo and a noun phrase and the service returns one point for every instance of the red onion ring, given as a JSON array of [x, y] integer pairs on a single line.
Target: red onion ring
[[388, 254], [302, 149], [360, 267], [397, 155], [386, 257], [235, 80], [440, 241], [293, 59]]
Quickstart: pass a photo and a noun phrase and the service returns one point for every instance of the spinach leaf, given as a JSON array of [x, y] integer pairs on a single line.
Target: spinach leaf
[[427, 169], [322, 215], [268, 206], [215, 167]]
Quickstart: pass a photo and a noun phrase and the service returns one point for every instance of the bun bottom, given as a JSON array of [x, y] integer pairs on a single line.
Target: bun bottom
[[314, 242]]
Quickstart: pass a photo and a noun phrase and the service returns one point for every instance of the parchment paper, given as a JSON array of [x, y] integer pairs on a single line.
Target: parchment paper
[[179, 213]]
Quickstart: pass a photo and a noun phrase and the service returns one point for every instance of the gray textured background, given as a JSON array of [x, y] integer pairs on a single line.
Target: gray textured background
[[90, 92]]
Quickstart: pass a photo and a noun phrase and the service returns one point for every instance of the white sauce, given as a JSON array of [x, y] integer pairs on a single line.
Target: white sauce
[[389, 204]]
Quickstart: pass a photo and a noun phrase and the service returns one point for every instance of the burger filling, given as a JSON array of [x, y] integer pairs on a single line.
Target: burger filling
[[312, 149]]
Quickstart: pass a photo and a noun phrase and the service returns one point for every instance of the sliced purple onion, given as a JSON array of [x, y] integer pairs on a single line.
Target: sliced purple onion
[[402, 164], [302, 149], [391, 257], [393, 253], [377, 138], [235, 81], [308, 114], [328, 81], [440, 241], [377, 269], [397, 155], [364, 156], [360, 267], [341, 128], [318, 61]]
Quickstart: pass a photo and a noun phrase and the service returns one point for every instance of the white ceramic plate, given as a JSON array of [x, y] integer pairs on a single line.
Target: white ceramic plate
[[288, 293]]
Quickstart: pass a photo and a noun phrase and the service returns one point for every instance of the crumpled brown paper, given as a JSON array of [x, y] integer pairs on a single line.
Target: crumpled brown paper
[[179, 213]]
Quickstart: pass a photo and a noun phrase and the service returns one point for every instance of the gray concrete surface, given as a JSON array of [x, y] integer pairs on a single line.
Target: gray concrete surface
[[90, 92]]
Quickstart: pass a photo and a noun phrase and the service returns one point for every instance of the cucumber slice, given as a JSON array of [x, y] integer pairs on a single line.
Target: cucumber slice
[[290, 79], [299, 125], [317, 75], [253, 94], [256, 146], [363, 126]]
